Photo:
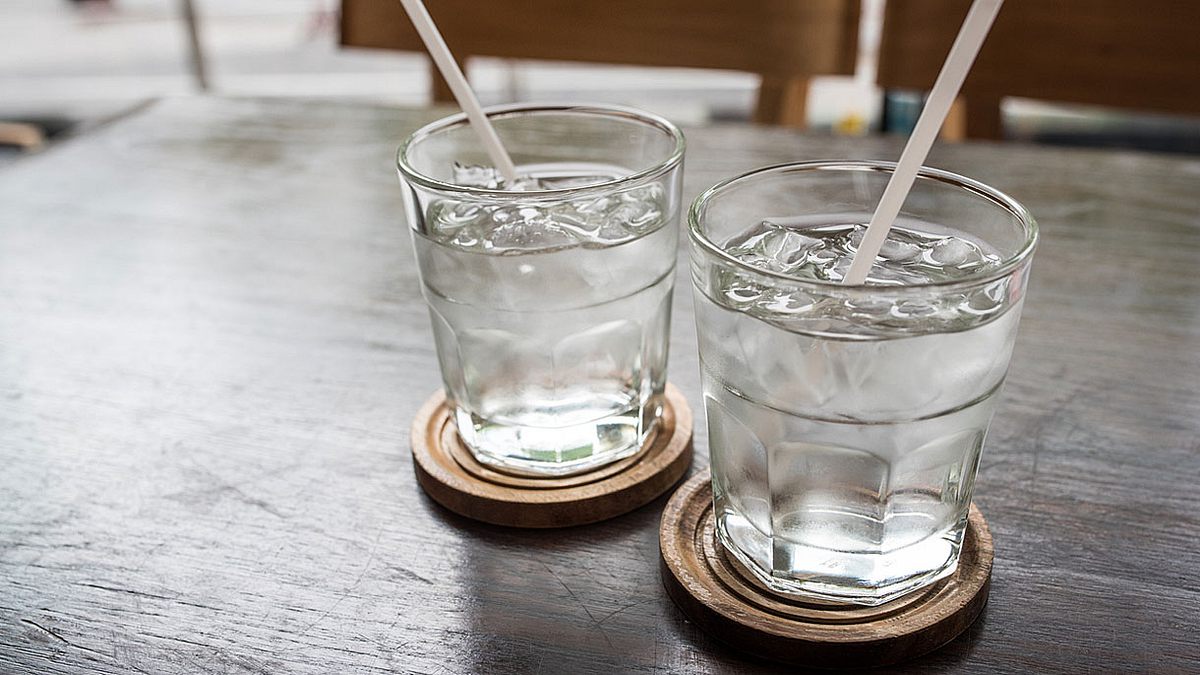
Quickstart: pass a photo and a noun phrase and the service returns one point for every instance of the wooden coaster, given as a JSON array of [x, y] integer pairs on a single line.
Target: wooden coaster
[[705, 583], [451, 475]]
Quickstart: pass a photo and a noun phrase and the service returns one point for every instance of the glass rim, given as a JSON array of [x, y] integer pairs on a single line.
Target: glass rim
[[1006, 266], [410, 173]]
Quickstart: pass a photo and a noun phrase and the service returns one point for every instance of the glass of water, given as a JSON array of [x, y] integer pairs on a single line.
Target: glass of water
[[846, 422], [550, 297]]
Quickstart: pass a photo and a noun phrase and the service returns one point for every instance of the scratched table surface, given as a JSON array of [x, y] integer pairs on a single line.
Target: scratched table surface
[[212, 343]]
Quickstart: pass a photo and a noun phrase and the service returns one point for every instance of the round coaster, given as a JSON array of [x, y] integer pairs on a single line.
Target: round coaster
[[451, 475], [705, 582]]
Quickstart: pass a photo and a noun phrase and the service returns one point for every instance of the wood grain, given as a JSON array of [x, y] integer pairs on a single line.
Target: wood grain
[[212, 344], [448, 472], [722, 597], [786, 42], [1135, 55]]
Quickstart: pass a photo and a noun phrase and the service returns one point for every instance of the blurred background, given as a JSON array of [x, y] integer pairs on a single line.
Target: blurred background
[[67, 65]]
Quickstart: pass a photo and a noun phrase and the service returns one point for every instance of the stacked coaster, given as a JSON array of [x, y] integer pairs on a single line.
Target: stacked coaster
[[451, 475], [707, 585]]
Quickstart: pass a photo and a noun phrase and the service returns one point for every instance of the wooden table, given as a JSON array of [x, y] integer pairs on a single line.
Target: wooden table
[[212, 343]]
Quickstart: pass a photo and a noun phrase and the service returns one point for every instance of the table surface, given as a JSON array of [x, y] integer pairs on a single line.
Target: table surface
[[212, 343]]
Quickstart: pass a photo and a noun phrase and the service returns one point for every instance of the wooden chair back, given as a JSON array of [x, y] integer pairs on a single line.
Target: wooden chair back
[[785, 41], [1139, 54]]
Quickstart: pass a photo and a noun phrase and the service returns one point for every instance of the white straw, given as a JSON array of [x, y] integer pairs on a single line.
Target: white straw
[[937, 106], [445, 62]]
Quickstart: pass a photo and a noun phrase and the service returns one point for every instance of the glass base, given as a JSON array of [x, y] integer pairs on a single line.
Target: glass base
[[559, 450], [809, 574]]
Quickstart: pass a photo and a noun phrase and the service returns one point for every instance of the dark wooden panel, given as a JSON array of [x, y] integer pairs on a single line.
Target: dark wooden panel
[[212, 343], [779, 37], [1141, 55]]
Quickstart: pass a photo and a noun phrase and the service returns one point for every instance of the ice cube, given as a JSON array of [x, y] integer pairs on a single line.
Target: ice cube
[[457, 223], [774, 247], [538, 226], [788, 301], [521, 184], [613, 218], [597, 206], [914, 307], [985, 302], [474, 175], [611, 231], [897, 250], [637, 211], [869, 307], [571, 218], [532, 232], [883, 274], [954, 252], [466, 238], [734, 289], [851, 238]]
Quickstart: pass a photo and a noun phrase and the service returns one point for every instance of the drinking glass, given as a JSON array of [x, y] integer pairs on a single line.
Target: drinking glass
[[846, 422], [550, 298]]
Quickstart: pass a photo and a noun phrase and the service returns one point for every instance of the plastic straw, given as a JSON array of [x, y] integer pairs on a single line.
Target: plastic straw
[[937, 106], [462, 91]]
